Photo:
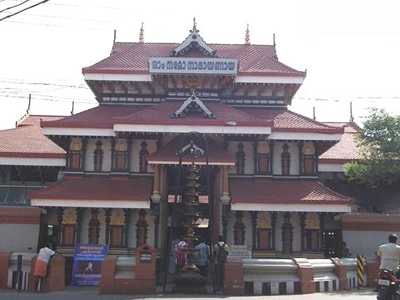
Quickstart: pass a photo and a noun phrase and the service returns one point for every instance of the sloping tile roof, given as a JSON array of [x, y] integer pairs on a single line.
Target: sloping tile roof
[[28, 120], [268, 191], [288, 121], [131, 58], [97, 188], [160, 114], [345, 150], [349, 127], [28, 141], [167, 153], [97, 117]]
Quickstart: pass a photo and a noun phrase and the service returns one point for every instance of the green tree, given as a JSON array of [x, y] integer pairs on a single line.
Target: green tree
[[379, 147]]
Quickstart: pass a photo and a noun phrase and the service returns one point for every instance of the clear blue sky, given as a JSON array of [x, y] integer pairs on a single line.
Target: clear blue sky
[[349, 48]]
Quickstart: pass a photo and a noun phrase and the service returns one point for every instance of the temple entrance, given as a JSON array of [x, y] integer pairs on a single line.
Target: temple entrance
[[189, 212]]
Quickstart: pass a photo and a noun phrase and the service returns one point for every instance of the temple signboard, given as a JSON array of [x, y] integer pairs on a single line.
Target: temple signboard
[[193, 65]]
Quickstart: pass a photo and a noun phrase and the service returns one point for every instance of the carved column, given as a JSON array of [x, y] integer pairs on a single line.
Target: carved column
[[60, 214], [225, 198], [84, 147], [127, 214], [255, 153], [79, 217], [156, 214], [322, 217], [287, 234], [225, 210], [303, 229], [129, 149], [113, 142], [254, 215], [108, 219], [273, 229], [301, 158], [271, 161], [239, 229]]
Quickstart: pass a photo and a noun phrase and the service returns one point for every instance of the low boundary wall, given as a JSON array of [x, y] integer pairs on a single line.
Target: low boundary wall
[[295, 276]]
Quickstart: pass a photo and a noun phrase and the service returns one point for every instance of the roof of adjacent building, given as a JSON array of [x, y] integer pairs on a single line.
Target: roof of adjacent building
[[346, 150], [98, 117], [97, 188], [132, 58], [269, 191], [288, 121], [27, 140]]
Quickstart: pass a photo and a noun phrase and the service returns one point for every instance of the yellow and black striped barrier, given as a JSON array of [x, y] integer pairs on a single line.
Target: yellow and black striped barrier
[[360, 271]]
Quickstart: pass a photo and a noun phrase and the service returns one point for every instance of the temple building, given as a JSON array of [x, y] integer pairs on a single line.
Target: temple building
[[116, 173]]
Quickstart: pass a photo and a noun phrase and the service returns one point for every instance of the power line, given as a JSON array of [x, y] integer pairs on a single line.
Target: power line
[[22, 10], [23, 2]]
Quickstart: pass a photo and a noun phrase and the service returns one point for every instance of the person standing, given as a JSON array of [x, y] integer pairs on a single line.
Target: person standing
[[221, 252], [180, 249], [42, 261], [389, 254], [202, 255]]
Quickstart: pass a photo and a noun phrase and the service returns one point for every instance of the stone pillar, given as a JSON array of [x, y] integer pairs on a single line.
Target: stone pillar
[[55, 277], [305, 272], [341, 273], [4, 265], [107, 284], [108, 219], [79, 217], [372, 269], [155, 195], [145, 270], [233, 277]]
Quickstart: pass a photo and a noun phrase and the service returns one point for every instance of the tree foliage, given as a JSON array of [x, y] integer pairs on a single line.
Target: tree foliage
[[379, 147]]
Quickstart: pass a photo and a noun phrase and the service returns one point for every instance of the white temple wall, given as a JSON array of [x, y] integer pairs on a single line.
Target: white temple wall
[[249, 156], [278, 232], [135, 155], [10, 242], [295, 220], [106, 155], [89, 155], [294, 158], [132, 228]]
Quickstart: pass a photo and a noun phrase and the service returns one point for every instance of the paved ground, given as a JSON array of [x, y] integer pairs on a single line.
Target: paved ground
[[90, 293]]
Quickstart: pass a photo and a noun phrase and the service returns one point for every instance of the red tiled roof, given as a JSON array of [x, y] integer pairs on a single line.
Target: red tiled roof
[[160, 114], [28, 120], [345, 150], [131, 58], [167, 153], [288, 121], [349, 127], [97, 117], [268, 191], [28, 141], [98, 188]]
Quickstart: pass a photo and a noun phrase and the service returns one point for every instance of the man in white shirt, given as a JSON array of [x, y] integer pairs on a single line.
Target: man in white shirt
[[41, 266], [389, 254]]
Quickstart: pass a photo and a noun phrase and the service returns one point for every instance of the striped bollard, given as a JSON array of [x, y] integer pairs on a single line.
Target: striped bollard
[[360, 271]]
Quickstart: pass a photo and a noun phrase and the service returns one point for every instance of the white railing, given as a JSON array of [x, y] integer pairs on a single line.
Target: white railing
[[270, 270], [13, 278], [125, 267]]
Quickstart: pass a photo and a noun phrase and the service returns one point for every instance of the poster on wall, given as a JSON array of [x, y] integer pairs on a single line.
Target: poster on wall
[[87, 264]]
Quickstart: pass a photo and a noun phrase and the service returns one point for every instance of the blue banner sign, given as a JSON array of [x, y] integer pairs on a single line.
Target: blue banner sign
[[87, 264]]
